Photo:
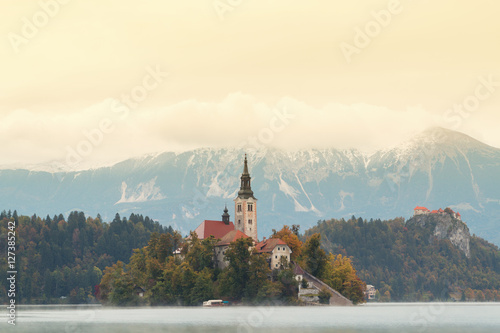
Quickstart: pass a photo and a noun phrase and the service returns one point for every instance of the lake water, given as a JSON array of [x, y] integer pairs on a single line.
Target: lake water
[[391, 317]]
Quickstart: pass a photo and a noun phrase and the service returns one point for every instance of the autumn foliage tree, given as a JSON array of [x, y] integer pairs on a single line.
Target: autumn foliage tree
[[291, 239], [341, 276]]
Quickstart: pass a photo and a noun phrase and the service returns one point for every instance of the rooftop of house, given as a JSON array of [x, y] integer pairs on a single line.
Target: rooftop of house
[[218, 229], [231, 237], [268, 245]]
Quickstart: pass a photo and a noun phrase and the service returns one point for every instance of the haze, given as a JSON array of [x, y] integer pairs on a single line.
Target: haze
[[233, 66]]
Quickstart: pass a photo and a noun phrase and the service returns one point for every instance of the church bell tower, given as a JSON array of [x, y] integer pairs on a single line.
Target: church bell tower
[[245, 206]]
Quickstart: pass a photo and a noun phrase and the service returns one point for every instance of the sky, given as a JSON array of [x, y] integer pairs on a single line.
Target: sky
[[89, 83]]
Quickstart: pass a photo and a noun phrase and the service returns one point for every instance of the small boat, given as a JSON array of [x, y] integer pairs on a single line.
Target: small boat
[[215, 303]]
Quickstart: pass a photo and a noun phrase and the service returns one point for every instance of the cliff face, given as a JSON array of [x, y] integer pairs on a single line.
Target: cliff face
[[444, 226]]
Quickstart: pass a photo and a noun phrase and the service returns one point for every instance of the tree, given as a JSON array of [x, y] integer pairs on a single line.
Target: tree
[[324, 296], [200, 254], [117, 286], [386, 297], [138, 266], [236, 276], [341, 276], [313, 256], [480, 296], [291, 239], [258, 276], [203, 287], [110, 275], [469, 295], [164, 291], [288, 284], [123, 293]]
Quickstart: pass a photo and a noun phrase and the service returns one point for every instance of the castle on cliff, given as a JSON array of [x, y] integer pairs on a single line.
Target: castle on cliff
[[424, 211]]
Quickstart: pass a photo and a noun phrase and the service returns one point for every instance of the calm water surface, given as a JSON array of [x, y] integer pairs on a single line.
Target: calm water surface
[[395, 317]]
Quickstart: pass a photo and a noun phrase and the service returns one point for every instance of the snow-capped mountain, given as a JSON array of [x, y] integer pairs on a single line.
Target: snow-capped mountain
[[437, 168]]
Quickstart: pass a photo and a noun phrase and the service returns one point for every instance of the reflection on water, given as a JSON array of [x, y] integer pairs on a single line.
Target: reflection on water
[[395, 317]]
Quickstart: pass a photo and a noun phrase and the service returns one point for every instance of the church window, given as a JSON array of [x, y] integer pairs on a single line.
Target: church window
[[250, 207], [249, 221], [239, 207], [275, 257]]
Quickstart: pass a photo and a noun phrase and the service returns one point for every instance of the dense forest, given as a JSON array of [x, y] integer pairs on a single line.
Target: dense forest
[[191, 277], [405, 264], [81, 259], [61, 260]]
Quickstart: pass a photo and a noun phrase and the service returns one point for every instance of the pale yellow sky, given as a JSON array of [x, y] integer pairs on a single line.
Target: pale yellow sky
[[63, 63]]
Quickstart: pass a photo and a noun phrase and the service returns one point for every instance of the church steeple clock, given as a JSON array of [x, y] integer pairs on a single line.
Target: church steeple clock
[[245, 206]]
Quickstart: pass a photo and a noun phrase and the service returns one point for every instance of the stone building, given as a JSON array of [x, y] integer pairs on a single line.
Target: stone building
[[223, 244]]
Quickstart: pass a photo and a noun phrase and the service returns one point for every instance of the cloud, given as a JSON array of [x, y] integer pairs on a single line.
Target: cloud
[[31, 138]]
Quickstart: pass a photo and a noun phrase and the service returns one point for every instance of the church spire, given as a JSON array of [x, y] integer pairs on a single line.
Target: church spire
[[245, 188], [225, 216], [245, 167]]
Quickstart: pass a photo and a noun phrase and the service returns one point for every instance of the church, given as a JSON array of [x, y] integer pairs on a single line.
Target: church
[[244, 226]]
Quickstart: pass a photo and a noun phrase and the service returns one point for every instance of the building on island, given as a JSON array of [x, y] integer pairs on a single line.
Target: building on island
[[276, 249], [245, 225], [223, 244]]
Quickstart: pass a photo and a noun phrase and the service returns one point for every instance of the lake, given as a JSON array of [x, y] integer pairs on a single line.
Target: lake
[[389, 317]]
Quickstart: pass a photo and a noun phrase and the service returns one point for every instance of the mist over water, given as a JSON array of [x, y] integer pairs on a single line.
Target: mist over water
[[393, 317]]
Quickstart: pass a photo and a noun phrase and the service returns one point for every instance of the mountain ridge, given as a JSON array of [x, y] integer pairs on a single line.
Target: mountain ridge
[[182, 189], [438, 133]]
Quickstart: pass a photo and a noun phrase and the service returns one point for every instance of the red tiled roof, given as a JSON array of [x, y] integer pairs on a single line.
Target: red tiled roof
[[215, 228], [458, 214], [440, 210], [434, 212], [231, 237], [268, 245], [420, 208]]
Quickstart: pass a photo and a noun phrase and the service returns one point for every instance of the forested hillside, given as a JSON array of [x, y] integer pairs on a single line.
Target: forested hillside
[[61, 260], [405, 263]]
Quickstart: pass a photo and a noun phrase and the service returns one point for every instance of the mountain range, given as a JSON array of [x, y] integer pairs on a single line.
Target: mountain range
[[438, 168]]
